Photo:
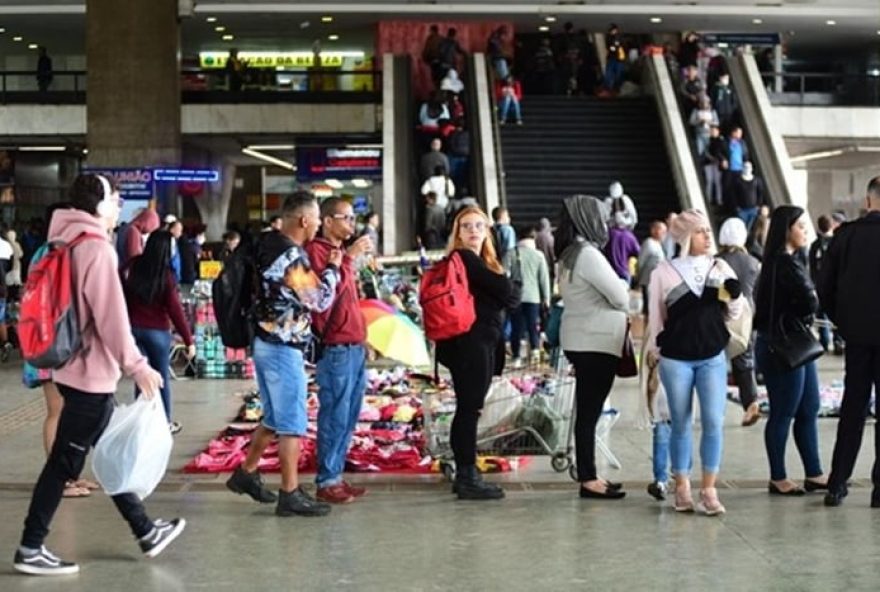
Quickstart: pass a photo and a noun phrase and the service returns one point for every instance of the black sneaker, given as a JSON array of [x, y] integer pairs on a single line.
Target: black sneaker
[[252, 484], [43, 563], [161, 536], [300, 503], [657, 490]]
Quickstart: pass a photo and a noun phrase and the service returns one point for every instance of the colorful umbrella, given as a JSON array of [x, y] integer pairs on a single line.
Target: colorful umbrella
[[375, 309], [395, 336]]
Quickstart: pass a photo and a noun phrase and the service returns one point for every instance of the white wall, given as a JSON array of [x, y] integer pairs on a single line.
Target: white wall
[[827, 122], [52, 120]]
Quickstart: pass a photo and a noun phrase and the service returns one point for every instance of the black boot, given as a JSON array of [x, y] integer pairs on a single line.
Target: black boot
[[469, 485]]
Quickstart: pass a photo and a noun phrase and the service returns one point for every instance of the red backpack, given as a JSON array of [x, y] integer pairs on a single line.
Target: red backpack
[[48, 329], [447, 303]]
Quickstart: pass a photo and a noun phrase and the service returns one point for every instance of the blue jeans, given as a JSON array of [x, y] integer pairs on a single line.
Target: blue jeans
[[614, 71], [524, 319], [283, 384], [506, 103], [794, 395], [709, 376], [342, 378], [662, 435], [156, 345], [748, 216]]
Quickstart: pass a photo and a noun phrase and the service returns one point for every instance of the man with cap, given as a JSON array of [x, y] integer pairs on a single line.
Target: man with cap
[[849, 282]]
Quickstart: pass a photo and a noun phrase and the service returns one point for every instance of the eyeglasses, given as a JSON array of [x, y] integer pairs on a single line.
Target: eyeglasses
[[473, 225], [346, 217]]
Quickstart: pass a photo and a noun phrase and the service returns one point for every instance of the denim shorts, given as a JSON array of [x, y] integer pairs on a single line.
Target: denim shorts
[[2, 310], [282, 380]]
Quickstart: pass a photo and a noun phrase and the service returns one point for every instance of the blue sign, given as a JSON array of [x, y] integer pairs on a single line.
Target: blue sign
[[132, 183], [186, 175], [338, 163]]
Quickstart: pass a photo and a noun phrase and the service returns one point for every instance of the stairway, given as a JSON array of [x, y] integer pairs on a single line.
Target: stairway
[[574, 145]]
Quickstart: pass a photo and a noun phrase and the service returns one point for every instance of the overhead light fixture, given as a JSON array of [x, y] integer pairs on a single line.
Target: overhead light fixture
[[360, 183], [228, 37], [333, 37], [85, 150], [757, 21], [543, 28], [326, 19], [211, 19], [33, 46], [17, 38], [270, 147], [334, 183], [830, 23], [220, 28], [2, 30], [270, 159], [550, 19], [656, 20], [819, 155], [42, 148], [878, 32]]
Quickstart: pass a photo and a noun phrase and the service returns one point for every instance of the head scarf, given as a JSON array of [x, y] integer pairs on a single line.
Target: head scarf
[[544, 224], [733, 233], [587, 215], [686, 224]]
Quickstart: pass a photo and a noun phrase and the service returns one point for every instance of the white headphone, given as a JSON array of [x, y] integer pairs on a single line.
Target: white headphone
[[105, 208]]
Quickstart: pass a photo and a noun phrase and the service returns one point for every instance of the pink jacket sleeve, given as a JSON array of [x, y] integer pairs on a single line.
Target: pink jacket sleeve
[[657, 305], [102, 293]]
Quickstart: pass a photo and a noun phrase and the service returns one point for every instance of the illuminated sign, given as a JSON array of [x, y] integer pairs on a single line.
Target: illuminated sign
[[338, 163], [186, 175], [132, 183], [277, 59]]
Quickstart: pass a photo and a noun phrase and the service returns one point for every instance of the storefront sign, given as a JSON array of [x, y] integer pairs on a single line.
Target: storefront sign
[[277, 59], [135, 184], [736, 39], [186, 175], [338, 163]]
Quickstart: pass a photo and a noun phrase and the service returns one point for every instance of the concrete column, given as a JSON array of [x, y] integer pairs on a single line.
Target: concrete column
[[133, 107]]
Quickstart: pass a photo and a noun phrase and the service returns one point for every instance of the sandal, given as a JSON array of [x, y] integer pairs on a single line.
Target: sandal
[[86, 484], [72, 490]]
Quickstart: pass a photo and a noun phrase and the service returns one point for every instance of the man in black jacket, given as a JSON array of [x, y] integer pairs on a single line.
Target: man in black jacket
[[849, 283]]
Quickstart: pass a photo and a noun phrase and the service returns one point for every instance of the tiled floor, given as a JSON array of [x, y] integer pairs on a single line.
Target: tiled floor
[[409, 533]]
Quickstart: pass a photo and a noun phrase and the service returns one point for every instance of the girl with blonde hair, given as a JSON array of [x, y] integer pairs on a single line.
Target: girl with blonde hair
[[474, 357]]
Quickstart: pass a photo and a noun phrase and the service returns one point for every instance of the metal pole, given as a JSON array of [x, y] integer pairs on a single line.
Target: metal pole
[[777, 67]]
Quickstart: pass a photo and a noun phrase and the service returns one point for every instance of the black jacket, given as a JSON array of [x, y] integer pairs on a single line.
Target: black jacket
[[849, 281], [818, 250], [795, 292]]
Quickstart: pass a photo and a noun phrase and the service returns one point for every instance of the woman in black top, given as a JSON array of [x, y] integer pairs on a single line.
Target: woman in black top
[[784, 287], [473, 358]]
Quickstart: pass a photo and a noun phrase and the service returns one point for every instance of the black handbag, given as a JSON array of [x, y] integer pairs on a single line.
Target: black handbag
[[791, 340]]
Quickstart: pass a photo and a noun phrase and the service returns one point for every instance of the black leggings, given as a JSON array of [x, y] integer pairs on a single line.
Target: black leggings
[[594, 375], [83, 419], [471, 361]]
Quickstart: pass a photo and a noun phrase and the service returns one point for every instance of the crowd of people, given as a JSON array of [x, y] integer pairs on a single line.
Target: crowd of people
[[306, 293]]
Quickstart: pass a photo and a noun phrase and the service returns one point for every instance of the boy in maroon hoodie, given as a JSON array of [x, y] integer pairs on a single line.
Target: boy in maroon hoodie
[[89, 379]]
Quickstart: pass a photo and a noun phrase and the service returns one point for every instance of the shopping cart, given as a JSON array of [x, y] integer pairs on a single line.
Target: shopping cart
[[528, 411]]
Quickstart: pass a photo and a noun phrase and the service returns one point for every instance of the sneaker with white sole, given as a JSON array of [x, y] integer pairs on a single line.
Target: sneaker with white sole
[[163, 533], [42, 562], [174, 427]]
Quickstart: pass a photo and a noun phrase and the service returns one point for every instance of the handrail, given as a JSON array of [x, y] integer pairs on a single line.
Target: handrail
[[70, 86], [845, 88]]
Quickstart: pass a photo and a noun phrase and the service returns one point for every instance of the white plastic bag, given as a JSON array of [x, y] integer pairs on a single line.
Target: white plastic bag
[[132, 454]]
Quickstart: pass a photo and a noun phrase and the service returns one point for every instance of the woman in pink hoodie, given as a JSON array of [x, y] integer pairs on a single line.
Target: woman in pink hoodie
[[88, 380]]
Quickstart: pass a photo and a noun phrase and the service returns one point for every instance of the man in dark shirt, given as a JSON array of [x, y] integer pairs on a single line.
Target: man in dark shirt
[[692, 89], [818, 251], [849, 282]]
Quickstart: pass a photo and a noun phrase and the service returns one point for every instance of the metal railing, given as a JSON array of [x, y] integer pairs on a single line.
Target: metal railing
[[210, 86], [823, 88]]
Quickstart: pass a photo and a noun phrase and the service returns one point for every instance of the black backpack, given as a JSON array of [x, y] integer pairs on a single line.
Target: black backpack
[[234, 297]]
